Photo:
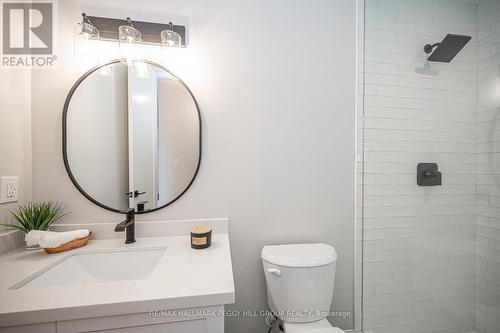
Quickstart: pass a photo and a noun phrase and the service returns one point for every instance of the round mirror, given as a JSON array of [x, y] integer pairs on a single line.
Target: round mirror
[[131, 136]]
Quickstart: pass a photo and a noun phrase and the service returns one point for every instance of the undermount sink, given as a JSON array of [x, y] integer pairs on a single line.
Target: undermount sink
[[96, 267]]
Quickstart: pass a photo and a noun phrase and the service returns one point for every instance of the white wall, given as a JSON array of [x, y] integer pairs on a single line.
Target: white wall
[[15, 143], [275, 84], [488, 172], [419, 242]]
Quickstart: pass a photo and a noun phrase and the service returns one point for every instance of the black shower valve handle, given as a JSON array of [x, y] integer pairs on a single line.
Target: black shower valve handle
[[429, 173]]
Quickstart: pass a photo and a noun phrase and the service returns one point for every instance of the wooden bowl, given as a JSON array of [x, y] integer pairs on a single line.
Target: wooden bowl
[[75, 243]]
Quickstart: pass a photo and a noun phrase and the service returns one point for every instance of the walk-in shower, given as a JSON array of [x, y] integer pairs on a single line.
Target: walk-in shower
[[428, 246]]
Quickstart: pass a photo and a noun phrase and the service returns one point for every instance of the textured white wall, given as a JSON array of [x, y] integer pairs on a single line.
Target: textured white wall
[[275, 84], [488, 169], [15, 142], [419, 243]]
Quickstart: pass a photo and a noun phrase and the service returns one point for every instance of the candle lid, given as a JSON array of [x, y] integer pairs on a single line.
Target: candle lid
[[201, 229]]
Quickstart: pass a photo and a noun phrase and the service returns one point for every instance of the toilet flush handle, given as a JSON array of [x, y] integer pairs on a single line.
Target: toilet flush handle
[[274, 271]]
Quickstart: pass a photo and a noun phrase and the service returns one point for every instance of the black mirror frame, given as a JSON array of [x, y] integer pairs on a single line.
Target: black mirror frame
[[65, 137]]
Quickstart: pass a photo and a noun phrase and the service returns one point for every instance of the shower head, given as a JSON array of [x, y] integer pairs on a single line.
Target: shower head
[[448, 48]]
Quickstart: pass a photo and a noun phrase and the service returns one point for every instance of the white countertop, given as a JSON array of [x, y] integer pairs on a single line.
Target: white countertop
[[183, 278]]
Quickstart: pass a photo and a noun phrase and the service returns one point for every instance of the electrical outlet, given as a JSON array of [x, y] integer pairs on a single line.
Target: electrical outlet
[[9, 189]]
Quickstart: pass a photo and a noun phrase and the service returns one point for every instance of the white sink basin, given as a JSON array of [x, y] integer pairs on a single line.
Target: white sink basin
[[96, 267]]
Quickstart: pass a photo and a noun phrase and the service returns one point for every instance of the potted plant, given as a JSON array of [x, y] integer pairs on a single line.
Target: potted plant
[[36, 216]]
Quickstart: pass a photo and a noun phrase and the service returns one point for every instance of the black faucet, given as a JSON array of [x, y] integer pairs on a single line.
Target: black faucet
[[129, 225]]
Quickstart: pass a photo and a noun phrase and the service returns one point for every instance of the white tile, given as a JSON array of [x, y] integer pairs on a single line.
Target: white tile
[[422, 241]]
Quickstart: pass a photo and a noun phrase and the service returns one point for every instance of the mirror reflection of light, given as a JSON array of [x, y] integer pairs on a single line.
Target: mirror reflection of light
[[140, 98], [106, 70], [140, 69]]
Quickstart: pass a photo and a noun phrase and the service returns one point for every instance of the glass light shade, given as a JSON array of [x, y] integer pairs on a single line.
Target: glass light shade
[[170, 38], [88, 31], [128, 34], [128, 40]]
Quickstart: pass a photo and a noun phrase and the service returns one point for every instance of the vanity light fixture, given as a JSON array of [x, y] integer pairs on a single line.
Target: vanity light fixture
[[170, 38], [130, 34]]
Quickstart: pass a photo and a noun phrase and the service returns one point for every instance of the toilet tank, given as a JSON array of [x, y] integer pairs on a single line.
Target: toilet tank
[[300, 279]]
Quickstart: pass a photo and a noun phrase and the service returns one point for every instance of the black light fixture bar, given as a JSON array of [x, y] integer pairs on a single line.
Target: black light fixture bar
[[108, 29]]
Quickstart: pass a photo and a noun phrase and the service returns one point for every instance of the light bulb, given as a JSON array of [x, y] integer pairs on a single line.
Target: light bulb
[[128, 40], [170, 38], [84, 34]]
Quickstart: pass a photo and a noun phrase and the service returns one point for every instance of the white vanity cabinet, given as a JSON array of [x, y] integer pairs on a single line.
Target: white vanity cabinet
[[165, 286], [202, 320], [33, 328], [199, 320]]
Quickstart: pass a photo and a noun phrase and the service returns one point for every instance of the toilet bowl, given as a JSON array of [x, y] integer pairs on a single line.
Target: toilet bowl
[[300, 281]]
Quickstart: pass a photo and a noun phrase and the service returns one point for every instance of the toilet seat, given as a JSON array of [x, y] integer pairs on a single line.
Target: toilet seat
[[320, 326]]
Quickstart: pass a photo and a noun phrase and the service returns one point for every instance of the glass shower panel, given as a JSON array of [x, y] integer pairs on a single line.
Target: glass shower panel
[[487, 291], [420, 244]]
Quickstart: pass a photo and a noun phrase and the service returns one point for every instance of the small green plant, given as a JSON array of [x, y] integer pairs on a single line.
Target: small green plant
[[37, 216]]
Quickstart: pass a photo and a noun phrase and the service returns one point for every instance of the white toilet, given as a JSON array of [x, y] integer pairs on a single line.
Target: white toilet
[[300, 280]]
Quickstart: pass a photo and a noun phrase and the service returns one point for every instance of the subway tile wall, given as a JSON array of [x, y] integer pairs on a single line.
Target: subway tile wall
[[419, 242], [488, 168]]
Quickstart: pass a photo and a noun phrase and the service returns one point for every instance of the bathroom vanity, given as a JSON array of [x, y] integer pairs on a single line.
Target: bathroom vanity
[[141, 126], [157, 284]]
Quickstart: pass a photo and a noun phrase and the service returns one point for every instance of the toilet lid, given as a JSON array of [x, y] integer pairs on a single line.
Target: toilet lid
[[299, 255]]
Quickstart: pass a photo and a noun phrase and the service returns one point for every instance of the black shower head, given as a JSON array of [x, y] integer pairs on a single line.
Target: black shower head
[[448, 48]]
